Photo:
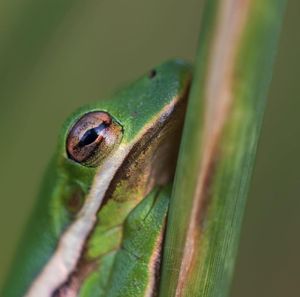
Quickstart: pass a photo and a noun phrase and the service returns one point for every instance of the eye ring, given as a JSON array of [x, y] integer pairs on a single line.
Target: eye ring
[[92, 138]]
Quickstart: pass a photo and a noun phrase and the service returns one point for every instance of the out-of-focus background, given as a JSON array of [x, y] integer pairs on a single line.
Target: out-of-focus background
[[56, 55]]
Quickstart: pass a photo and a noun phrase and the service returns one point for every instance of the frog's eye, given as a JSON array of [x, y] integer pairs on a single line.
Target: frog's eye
[[152, 73], [92, 138]]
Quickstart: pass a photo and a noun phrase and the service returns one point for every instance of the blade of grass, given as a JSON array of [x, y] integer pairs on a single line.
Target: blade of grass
[[233, 69]]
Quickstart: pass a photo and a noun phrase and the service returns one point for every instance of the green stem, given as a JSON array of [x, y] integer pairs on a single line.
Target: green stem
[[233, 70]]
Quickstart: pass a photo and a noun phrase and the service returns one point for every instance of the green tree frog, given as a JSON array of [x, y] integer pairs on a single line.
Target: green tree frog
[[98, 225]]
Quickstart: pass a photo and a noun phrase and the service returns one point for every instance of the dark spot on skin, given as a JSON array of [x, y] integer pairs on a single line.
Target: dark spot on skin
[[75, 201]]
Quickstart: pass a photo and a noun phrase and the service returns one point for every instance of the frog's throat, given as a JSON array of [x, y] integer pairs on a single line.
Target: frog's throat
[[67, 254]]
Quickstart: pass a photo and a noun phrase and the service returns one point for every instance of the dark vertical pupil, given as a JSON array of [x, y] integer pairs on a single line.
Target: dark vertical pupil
[[91, 135]]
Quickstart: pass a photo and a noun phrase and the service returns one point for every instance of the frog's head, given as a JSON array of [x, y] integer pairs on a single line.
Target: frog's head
[[94, 131], [134, 136]]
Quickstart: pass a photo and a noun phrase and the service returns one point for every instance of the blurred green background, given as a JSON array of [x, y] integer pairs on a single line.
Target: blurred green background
[[56, 55]]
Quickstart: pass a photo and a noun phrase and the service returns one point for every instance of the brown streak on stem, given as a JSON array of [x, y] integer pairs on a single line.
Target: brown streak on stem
[[218, 98]]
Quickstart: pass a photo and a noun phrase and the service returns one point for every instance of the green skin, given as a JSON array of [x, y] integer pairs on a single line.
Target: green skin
[[119, 255]]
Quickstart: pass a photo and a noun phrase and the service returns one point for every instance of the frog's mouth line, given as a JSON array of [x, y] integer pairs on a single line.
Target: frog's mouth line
[[67, 255]]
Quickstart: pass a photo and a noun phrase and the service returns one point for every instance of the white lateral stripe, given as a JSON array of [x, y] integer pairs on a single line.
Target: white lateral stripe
[[67, 254]]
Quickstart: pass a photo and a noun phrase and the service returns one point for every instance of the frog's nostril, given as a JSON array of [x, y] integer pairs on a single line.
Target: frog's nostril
[[152, 73]]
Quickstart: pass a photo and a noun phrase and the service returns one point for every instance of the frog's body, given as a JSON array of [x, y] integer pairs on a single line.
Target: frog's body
[[77, 227]]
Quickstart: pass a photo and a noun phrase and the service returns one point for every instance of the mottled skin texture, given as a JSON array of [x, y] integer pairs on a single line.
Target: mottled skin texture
[[154, 138], [138, 260]]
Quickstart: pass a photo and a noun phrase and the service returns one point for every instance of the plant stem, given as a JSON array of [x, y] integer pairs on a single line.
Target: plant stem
[[233, 70]]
